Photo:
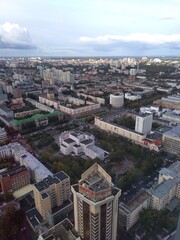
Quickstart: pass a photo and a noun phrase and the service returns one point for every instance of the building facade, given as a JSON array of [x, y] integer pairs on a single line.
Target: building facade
[[52, 195], [14, 179], [96, 205], [171, 140], [143, 123]]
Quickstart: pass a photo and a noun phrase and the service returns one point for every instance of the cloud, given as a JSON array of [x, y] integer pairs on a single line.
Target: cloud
[[142, 41], [13, 36]]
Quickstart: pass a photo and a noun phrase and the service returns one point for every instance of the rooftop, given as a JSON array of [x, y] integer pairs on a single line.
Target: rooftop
[[174, 132], [137, 200], [34, 217], [45, 183], [87, 141], [161, 189], [14, 171], [163, 129], [63, 230], [34, 117], [68, 140]]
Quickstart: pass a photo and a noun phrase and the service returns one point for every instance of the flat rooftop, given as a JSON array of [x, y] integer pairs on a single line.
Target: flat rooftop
[[68, 140], [63, 230], [34, 217], [163, 129], [161, 189], [137, 200], [14, 171], [174, 132], [96, 182], [55, 179]]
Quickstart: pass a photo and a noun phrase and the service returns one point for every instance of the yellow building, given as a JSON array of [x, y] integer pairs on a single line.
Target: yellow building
[[52, 195]]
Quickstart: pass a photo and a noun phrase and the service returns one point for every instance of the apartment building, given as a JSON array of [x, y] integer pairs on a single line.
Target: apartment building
[[171, 140], [96, 205], [14, 179], [167, 188], [129, 212], [52, 196]]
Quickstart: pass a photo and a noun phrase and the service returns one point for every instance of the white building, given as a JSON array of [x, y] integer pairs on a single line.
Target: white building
[[3, 135], [78, 143], [96, 205], [117, 99], [143, 123], [132, 97], [167, 188], [37, 170]]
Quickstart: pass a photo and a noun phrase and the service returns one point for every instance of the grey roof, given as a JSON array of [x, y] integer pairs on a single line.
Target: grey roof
[[68, 140], [61, 175], [87, 141], [44, 195], [4, 108], [161, 189], [95, 149], [175, 132], [41, 186], [45, 183]]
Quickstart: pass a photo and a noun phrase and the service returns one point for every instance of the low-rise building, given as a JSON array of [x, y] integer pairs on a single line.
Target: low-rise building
[[78, 143], [14, 179], [63, 230], [38, 120], [122, 131]]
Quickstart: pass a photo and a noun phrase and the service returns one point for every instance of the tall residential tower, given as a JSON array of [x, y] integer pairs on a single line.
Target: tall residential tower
[[96, 205]]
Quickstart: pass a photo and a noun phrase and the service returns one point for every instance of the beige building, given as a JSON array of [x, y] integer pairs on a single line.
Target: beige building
[[51, 194], [96, 205], [167, 188], [171, 140], [124, 132], [129, 213]]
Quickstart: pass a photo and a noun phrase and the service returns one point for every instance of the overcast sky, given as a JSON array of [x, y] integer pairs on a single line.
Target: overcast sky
[[89, 27]]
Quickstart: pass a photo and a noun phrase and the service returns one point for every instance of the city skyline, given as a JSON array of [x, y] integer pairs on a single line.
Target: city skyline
[[89, 28]]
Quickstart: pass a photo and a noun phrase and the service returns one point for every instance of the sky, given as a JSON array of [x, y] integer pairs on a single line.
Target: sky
[[67, 28]]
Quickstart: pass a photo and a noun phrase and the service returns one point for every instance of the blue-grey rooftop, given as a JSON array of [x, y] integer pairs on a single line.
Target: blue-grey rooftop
[[161, 189]]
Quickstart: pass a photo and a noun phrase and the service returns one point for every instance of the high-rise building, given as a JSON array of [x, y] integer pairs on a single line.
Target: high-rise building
[[96, 205], [51, 194], [143, 123]]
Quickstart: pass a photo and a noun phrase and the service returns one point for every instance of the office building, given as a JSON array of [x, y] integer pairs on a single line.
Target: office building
[[96, 205], [14, 179], [143, 123], [52, 196]]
